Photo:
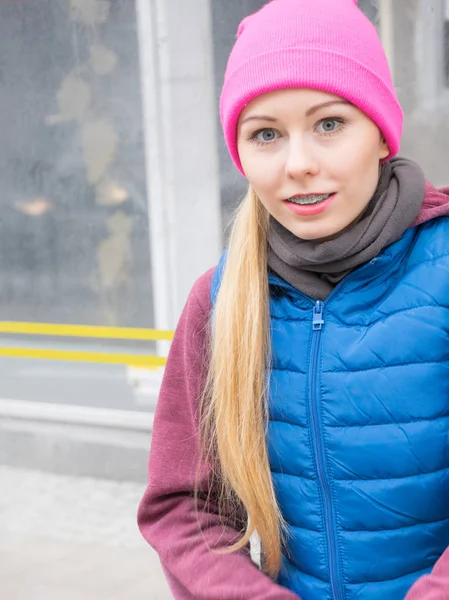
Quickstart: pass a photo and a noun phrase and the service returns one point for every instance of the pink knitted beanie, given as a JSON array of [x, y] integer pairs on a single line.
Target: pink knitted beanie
[[327, 45]]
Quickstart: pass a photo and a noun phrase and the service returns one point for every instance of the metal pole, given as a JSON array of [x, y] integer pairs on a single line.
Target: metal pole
[[158, 217], [175, 43]]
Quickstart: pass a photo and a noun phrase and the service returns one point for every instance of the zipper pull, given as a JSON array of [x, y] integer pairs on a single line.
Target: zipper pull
[[318, 320]]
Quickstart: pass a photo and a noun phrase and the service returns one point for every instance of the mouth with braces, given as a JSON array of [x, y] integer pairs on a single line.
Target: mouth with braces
[[311, 199]]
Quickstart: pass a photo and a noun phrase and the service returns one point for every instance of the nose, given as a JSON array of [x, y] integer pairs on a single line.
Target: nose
[[301, 159]]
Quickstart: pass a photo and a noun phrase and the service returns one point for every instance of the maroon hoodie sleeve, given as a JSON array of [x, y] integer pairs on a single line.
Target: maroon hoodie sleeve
[[434, 586], [167, 515]]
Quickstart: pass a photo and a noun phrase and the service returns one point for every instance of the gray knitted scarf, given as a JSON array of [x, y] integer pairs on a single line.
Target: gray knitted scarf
[[315, 267]]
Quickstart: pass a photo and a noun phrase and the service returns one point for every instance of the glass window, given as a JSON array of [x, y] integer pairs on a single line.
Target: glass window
[[74, 243], [371, 9], [74, 246], [226, 17]]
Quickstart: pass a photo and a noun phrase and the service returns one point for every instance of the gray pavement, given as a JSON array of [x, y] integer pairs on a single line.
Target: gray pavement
[[73, 538]]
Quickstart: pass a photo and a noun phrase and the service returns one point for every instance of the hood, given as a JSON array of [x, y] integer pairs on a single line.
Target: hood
[[436, 204]]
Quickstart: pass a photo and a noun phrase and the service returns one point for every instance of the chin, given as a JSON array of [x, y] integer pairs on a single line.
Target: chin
[[318, 231], [315, 234]]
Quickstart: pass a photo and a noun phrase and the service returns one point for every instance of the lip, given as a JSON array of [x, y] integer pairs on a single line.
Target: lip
[[310, 210], [310, 194]]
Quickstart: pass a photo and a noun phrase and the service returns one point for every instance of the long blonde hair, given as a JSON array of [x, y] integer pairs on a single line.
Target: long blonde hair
[[234, 408]]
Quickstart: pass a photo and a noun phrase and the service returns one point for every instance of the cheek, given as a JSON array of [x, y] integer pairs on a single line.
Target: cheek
[[360, 167], [261, 174]]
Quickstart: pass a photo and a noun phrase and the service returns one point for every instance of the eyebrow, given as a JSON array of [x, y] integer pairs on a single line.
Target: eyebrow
[[310, 112]]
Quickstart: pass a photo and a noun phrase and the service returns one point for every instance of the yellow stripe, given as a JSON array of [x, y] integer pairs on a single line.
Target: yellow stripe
[[86, 331], [137, 360]]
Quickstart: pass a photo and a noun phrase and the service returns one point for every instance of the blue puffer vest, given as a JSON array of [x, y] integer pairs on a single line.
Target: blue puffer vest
[[358, 431]]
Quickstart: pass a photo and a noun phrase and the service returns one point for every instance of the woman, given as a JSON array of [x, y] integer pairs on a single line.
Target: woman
[[306, 395]]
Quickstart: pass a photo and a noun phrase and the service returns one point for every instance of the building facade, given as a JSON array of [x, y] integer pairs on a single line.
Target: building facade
[[116, 184]]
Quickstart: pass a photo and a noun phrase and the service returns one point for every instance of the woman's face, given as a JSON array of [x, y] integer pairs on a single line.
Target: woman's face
[[311, 157]]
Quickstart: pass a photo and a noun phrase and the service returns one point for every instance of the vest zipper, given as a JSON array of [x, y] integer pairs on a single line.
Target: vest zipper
[[323, 478]]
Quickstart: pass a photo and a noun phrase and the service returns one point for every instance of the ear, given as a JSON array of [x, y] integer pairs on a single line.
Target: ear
[[384, 150]]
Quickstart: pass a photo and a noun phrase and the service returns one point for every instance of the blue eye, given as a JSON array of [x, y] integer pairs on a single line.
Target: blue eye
[[264, 136], [328, 126]]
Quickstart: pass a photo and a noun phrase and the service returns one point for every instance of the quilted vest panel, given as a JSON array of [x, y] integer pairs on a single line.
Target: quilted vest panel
[[358, 431]]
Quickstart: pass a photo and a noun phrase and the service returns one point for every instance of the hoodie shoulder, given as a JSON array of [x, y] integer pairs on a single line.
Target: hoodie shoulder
[[435, 204], [200, 293]]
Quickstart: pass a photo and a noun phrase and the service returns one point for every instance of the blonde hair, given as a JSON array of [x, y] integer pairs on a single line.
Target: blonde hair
[[234, 408]]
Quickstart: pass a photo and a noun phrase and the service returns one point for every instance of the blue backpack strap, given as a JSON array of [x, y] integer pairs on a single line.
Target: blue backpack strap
[[216, 280]]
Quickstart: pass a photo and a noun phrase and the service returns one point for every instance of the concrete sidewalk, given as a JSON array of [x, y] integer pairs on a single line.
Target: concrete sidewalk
[[69, 538]]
